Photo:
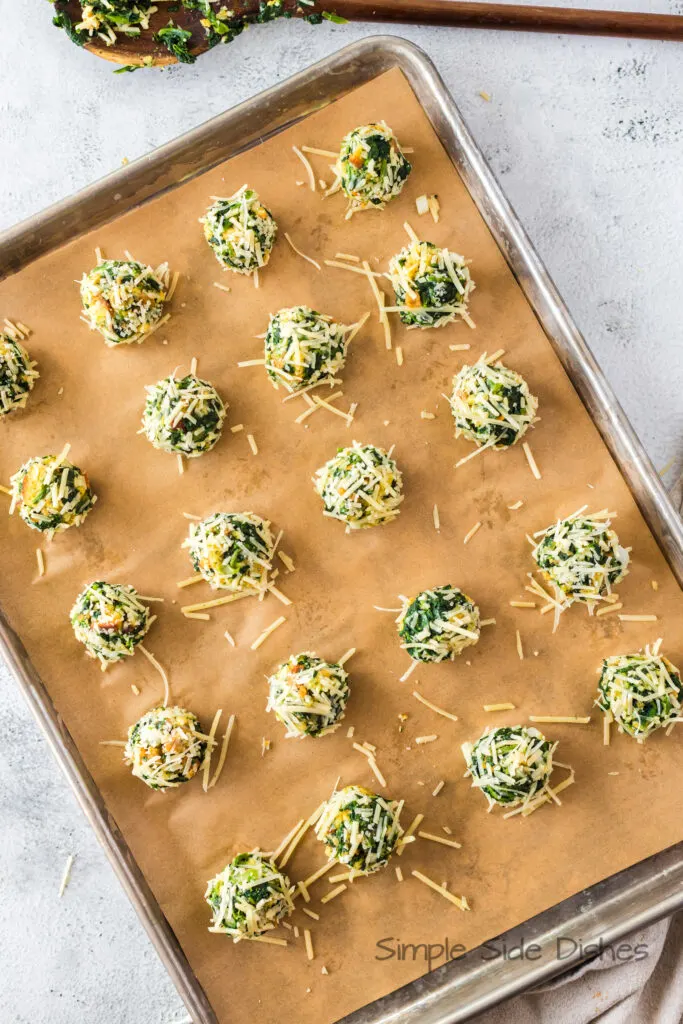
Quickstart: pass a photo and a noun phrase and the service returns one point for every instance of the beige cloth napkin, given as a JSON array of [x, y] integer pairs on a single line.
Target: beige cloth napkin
[[640, 991]]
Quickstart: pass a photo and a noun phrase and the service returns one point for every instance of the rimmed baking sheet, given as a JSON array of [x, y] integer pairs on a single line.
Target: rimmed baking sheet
[[508, 870]]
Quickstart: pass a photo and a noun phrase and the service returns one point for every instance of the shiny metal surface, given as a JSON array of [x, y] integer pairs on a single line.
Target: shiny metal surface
[[607, 911]]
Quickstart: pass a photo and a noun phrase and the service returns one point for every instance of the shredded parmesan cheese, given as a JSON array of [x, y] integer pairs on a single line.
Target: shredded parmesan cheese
[[468, 536], [266, 632], [531, 460], [434, 707], [66, 875], [294, 843], [287, 839], [152, 660], [459, 902], [520, 649], [567, 719], [286, 561], [278, 594], [346, 266], [320, 152], [303, 255], [268, 939], [216, 602], [223, 753], [210, 744], [606, 723], [334, 893], [409, 671], [308, 882], [307, 165], [408, 834], [440, 839], [609, 609]]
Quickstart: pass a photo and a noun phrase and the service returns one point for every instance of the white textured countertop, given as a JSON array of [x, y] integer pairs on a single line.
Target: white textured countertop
[[586, 137]]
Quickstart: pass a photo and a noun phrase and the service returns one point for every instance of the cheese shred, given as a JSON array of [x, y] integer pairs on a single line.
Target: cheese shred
[[223, 753], [459, 902], [415, 823], [468, 536], [434, 707], [303, 255], [66, 876], [267, 631], [309, 170], [566, 719], [152, 660], [440, 839], [520, 649], [531, 460], [334, 893]]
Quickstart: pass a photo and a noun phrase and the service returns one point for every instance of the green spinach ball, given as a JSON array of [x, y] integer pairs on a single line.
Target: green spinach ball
[[582, 557], [18, 374], [642, 692], [249, 897], [438, 624], [491, 405], [123, 300], [183, 416], [240, 231], [360, 829], [361, 486], [510, 765], [165, 747], [432, 285], [303, 347], [110, 620], [371, 167], [232, 551], [308, 695], [51, 494]]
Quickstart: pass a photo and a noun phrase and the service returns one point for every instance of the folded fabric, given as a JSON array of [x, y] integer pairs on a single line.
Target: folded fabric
[[646, 989]]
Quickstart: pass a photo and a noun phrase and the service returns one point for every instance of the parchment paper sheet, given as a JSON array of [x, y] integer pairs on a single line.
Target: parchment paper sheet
[[509, 870]]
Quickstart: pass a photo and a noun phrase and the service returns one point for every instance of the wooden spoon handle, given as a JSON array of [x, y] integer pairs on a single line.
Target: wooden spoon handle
[[462, 13], [513, 16]]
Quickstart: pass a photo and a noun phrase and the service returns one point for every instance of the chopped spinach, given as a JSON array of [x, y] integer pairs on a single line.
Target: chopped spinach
[[175, 39]]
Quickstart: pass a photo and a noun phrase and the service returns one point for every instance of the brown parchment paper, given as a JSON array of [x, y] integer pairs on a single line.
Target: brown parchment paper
[[509, 870]]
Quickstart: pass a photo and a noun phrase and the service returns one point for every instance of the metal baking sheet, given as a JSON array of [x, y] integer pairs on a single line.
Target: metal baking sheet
[[608, 910]]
